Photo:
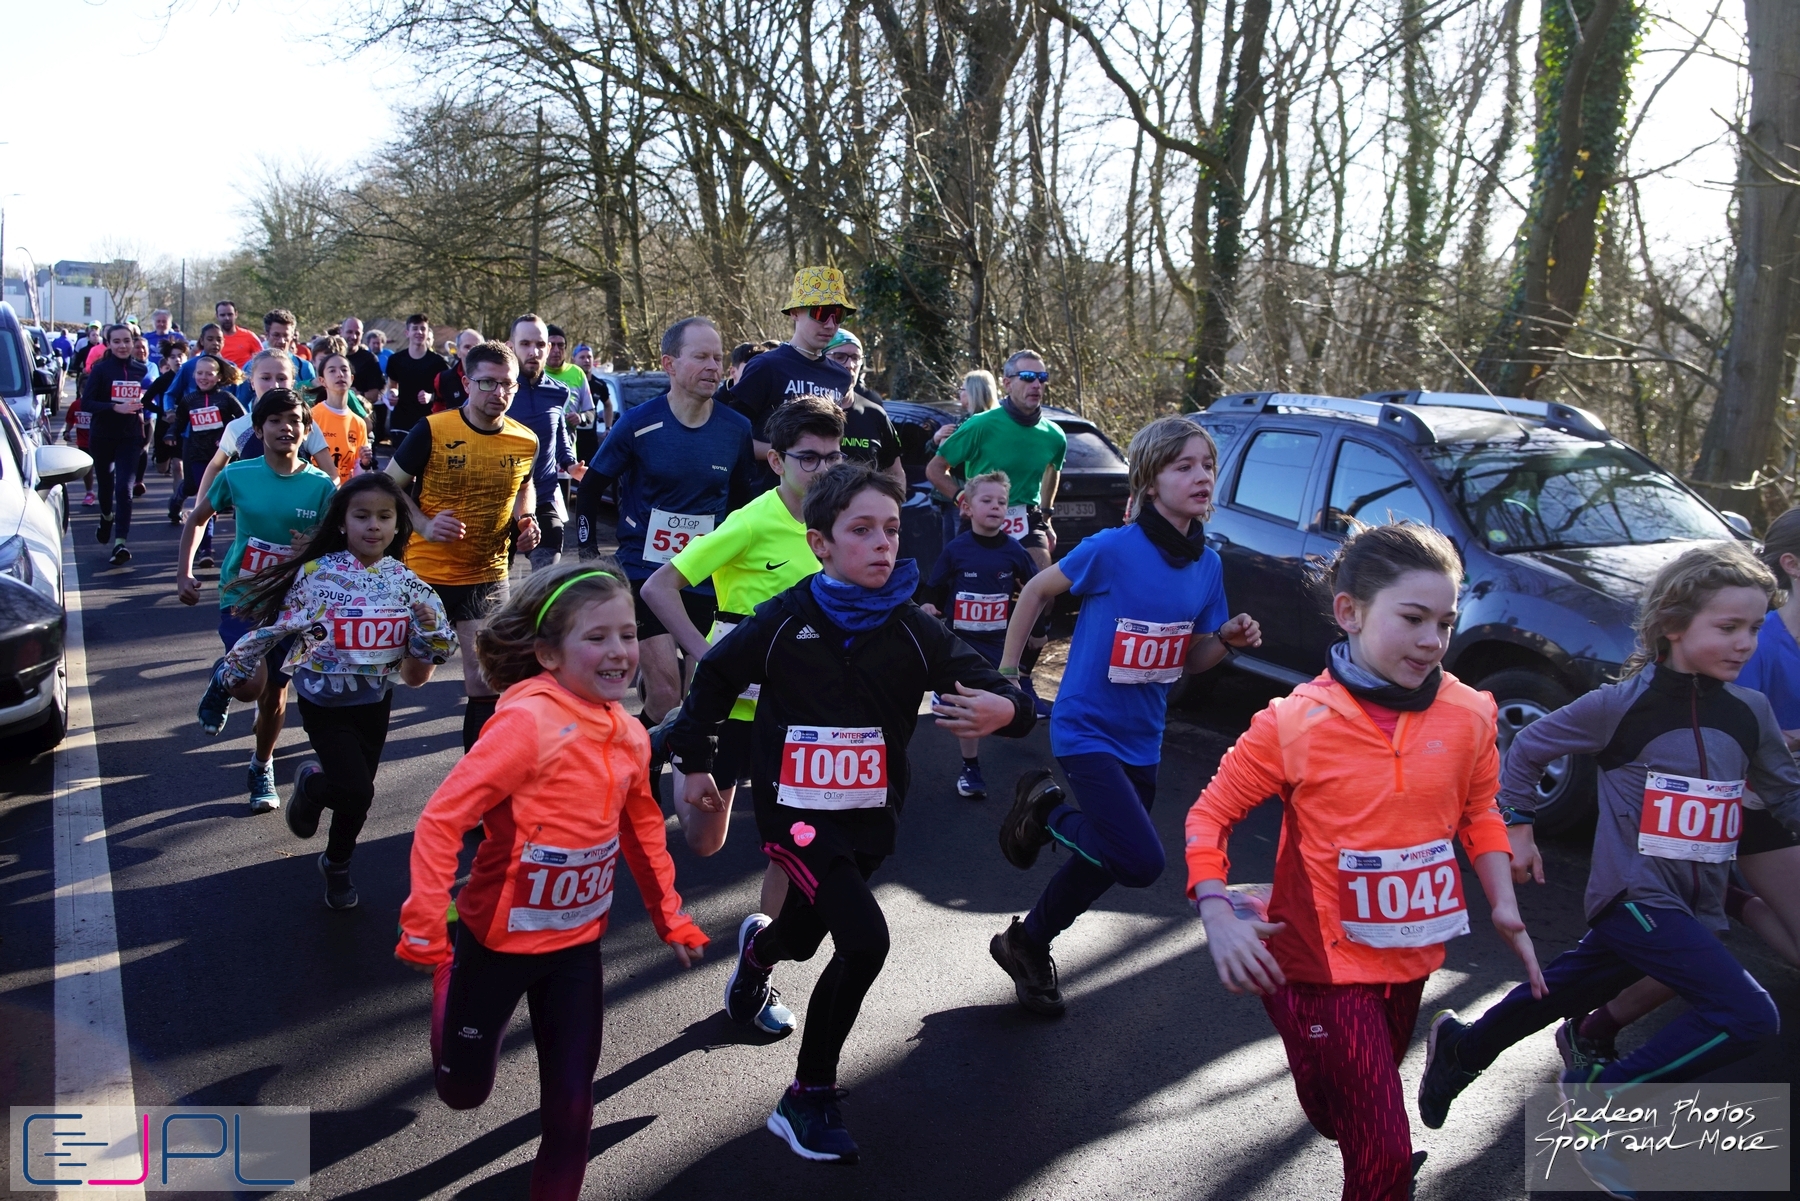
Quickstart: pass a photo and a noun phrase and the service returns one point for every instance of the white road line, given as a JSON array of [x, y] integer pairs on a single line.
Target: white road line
[[93, 1058]]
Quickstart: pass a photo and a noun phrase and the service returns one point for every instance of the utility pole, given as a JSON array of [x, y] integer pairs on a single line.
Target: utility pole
[[537, 205], [184, 295]]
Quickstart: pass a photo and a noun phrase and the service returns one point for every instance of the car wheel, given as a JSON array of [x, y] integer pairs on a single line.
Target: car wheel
[[49, 736], [1565, 790]]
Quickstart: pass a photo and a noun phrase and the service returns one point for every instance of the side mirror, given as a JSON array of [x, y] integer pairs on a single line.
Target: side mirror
[[60, 465], [1738, 522], [42, 380]]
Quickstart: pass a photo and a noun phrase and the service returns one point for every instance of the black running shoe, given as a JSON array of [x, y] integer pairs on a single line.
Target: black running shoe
[[747, 991], [1444, 1077], [340, 893], [121, 554], [215, 705], [1023, 833], [810, 1121], [1412, 1181], [175, 511], [303, 812], [103, 532], [1032, 969]]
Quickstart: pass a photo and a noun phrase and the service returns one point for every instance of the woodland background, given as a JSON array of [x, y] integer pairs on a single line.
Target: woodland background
[[1171, 200]]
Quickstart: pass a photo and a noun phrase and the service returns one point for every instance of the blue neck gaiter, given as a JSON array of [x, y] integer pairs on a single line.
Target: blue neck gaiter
[[856, 609]]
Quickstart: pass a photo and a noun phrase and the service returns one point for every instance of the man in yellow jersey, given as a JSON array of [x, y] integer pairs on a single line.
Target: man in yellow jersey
[[467, 473]]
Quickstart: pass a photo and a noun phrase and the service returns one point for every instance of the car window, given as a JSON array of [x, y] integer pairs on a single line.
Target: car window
[[1272, 478], [1088, 449], [15, 441], [1556, 497], [1369, 486], [1224, 433], [634, 390], [915, 438], [15, 365]]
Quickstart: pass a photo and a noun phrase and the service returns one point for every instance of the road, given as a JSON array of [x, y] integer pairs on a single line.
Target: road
[[241, 988]]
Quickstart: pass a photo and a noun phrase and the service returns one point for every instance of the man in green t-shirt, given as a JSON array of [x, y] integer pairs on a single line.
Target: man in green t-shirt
[[1014, 437]]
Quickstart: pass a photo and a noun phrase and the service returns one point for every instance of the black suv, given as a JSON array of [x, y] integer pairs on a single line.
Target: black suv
[[1559, 524]]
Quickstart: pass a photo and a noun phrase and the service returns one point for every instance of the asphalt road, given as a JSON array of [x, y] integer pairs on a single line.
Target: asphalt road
[[240, 987]]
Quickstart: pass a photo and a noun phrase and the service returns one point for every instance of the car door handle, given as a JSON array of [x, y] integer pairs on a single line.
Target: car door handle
[[1217, 541]]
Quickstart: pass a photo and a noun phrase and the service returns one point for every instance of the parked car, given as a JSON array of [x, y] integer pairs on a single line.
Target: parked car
[[22, 380], [630, 389], [34, 690], [45, 357], [1560, 525], [1095, 481]]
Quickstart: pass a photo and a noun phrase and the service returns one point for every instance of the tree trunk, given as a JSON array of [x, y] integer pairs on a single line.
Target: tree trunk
[[1758, 366]]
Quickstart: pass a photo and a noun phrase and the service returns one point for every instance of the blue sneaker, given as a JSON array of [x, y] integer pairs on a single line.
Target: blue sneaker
[[263, 797], [812, 1125], [970, 784], [776, 1020], [747, 993], [215, 706]]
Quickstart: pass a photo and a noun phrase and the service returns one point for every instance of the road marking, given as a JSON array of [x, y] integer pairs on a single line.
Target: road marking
[[93, 1058]]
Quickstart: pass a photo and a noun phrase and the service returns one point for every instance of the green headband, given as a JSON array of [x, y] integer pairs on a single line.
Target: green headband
[[562, 588]]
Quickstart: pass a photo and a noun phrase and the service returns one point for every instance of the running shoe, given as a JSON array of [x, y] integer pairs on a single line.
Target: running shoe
[[103, 532], [747, 991], [205, 560], [303, 812], [776, 1019], [1412, 1181], [89, 501], [970, 784], [175, 511], [121, 554], [340, 893], [138, 489], [810, 1121], [1444, 1077], [1038, 704], [1604, 1164], [263, 797], [215, 706], [1032, 969], [1579, 1052], [1023, 833]]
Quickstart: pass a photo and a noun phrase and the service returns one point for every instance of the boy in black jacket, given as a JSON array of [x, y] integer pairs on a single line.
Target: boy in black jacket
[[844, 659]]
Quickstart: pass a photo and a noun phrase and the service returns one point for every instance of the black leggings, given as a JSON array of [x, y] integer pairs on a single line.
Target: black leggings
[[348, 740], [115, 460], [473, 1001], [843, 907]]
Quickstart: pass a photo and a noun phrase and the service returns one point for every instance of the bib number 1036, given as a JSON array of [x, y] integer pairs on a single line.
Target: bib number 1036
[[1149, 652], [1409, 897], [560, 888]]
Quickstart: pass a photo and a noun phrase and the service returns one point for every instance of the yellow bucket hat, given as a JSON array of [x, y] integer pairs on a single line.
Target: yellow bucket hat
[[818, 286]]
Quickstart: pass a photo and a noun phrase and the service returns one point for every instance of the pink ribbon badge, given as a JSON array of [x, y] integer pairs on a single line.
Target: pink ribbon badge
[[803, 833]]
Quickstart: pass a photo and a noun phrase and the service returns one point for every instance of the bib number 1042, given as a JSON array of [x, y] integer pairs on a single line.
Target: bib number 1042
[[1409, 897]]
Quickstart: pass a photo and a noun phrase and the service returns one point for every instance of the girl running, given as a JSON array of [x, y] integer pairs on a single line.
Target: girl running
[[357, 618], [1677, 743], [560, 781], [345, 433], [1152, 607], [1379, 762], [198, 421], [76, 423]]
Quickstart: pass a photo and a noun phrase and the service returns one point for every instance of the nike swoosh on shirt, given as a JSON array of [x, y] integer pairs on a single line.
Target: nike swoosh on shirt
[[773, 566]]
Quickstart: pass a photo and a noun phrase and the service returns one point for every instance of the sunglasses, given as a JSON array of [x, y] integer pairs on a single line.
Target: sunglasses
[[490, 386], [1032, 377], [827, 314]]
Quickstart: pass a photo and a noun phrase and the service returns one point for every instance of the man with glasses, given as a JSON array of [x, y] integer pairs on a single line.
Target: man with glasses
[[681, 462], [869, 437], [540, 406], [238, 345], [473, 471], [818, 304]]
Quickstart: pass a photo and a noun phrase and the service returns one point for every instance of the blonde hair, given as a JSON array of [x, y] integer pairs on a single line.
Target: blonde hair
[[1683, 587], [1156, 446], [982, 390], [284, 356], [507, 644], [986, 477]]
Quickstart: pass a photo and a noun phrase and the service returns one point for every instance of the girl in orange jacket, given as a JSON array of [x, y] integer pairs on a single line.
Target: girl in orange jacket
[[1380, 762], [560, 781]]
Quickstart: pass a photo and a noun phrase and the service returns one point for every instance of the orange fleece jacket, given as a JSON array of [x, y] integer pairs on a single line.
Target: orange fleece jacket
[[550, 777], [1343, 784]]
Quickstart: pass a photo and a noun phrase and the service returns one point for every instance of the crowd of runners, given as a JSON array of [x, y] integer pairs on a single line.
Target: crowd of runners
[[753, 597]]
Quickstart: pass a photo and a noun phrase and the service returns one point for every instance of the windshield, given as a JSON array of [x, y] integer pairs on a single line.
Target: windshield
[[636, 389], [1576, 495], [15, 374], [1088, 450]]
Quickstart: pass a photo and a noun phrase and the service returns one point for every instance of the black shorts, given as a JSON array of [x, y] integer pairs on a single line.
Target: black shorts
[[1763, 833], [700, 607], [731, 761], [471, 602]]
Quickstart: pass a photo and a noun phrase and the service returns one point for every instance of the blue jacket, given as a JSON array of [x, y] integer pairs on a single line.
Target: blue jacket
[[538, 405]]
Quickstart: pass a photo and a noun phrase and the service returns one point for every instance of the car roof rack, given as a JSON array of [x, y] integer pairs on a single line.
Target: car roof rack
[[1402, 421], [1567, 418]]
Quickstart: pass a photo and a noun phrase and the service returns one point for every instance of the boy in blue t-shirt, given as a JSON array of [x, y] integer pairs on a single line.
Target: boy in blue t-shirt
[[972, 589]]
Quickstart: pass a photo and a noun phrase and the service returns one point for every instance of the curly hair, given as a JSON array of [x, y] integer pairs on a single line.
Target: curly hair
[[507, 645], [1683, 587]]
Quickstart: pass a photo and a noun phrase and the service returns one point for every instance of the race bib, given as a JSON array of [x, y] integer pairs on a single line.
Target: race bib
[[981, 611], [83, 419], [370, 635], [1689, 818], [1148, 652], [1018, 523], [560, 889], [668, 534], [834, 767], [126, 390], [1405, 898], [208, 418], [259, 554], [718, 631]]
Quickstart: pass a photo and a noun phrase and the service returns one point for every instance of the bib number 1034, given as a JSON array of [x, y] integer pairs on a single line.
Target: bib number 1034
[[1408, 897], [1149, 652]]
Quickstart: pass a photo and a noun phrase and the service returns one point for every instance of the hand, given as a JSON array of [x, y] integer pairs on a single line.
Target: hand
[[688, 956], [1243, 962], [529, 534], [424, 397], [298, 540], [930, 609], [1527, 860], [427, 969], [972, 713], [187, 590], [1512, 928], [1241, 632], [445, 527], [942, 434], [702, 793]]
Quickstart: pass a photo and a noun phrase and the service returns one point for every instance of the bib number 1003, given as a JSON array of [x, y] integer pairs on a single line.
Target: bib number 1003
[[831, 767]]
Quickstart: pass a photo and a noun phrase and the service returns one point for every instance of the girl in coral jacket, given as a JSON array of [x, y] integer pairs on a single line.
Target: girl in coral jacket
[[1380, 762], [560, 780]]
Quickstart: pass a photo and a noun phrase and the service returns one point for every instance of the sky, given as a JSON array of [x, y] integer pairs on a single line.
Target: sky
[[142, 58]]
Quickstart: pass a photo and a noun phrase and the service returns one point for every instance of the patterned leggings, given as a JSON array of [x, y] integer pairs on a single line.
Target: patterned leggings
[[1344, 1046]]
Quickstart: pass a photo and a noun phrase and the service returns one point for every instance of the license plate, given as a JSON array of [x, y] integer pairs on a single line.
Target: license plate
[[1075, 508]]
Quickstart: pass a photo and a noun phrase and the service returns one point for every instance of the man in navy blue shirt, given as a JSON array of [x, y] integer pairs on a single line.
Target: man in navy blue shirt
[[540, 405], [682, 463]]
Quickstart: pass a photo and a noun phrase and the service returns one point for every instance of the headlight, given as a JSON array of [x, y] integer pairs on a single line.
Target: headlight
[[15, 561]]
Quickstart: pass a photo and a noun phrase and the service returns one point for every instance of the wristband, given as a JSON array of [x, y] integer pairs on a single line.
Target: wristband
[[1213, 896], [1010, 673]]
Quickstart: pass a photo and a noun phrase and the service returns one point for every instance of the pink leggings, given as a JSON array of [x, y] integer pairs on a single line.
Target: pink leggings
[[1344, 1046]]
